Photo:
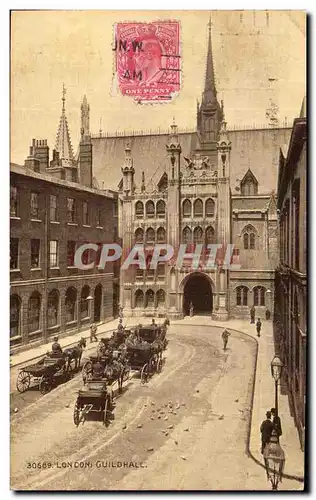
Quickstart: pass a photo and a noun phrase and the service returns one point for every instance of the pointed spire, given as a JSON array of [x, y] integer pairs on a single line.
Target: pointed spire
[[63, 143], [128, 161], [85, 118], [209, 94]]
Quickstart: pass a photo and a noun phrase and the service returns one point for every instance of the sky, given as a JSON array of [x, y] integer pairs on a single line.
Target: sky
[[258, 56]]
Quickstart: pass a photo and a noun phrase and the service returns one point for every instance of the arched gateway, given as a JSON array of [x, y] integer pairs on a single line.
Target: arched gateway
[[197, 288]]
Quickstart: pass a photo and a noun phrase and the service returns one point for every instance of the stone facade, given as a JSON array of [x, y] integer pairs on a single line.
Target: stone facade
[[204, 197], [291, 274]]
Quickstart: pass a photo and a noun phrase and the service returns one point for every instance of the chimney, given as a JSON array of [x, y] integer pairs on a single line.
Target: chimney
[[41, 153]]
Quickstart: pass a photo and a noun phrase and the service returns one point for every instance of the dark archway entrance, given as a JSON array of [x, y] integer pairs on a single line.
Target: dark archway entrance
[[97, 302], [198, 290]]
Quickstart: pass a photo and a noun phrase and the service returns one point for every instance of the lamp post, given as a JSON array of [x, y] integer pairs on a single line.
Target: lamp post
[[89, 299], [276, 371], [274, 460]]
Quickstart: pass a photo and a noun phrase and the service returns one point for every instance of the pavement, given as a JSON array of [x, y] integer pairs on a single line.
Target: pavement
[[263, 397]]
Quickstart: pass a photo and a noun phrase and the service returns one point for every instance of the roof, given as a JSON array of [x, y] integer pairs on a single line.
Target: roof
[[255, 149], [27, 172]]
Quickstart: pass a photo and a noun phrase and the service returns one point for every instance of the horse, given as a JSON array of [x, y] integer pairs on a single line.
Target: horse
[[114, 372], [75, 353]]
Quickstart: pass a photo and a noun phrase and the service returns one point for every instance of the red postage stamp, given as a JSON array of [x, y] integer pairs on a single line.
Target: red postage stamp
[[148, 62]]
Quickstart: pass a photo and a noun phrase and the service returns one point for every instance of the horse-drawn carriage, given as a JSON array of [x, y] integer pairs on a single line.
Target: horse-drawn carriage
[[93, 397], [144, 350], [44, 373]]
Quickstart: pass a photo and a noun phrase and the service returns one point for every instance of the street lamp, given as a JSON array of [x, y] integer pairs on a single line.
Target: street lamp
[[274, 459], [89, 299], [276, 372]]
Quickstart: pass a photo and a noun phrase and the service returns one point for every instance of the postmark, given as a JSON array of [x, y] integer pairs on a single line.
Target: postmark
[[148, 61]]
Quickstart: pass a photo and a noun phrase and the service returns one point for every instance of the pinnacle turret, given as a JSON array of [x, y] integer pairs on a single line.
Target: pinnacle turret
[[63, 142]]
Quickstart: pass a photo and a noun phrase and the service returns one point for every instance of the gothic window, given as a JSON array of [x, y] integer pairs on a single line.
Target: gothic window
[[14, 201], [52, 308], [34, 312], [139, 235], [161, 235], [209, 207], [15, 315], [150, 299], [209, 236], [198, 208], [198, 235], [249, 238], [186, 235], [242, 296], [209, 129], [84, 302], [259, 296], [139, 209], [150, 235], [249, 185], [139, 298], [70, 303], [150, 209], [187, 208], [161, 298], [161, 209]]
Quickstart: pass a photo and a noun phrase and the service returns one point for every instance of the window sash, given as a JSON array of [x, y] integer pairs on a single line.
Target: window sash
[[14, 253], [53, 253], [53, 208], [13, 201], [35, 253], [71, 210], [86, 219], [71, 250], [34, 205]]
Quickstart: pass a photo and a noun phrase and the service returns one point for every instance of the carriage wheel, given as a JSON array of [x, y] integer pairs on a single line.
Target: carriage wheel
[[45, 385], [159, 365], [23, 381], [105, 411], [87, 367], [76, 413], [144, 374]]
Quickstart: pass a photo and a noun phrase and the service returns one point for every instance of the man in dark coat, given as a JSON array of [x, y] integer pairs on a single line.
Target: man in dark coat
[[56, 347], [258, 327], [266, 429], [252, 314], [276, 422]]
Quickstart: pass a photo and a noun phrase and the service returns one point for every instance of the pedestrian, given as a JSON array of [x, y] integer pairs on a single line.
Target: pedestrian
[[93, 333], [191, 309], [276, 422], [266, 429], [120, 311], [258, 327], [225, 336], [252, 314]]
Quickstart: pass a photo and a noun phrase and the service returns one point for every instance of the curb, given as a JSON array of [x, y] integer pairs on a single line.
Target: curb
[[248, 451]]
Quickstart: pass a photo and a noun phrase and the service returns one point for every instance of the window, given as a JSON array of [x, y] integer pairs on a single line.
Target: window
[[198, 235], [35, 253], [242, 296], [139, 209], [15, 314], [249, 185], [161, 209], [53, 215], [161, 235], [34, 312], [52, 308], [209, 129], [14, 212], [249, 238], [71, 210], [161, 298], [150, 209], [198, 208], [296, 223], [139, 274], [70, 302], [139, 298], [161, 270], [34, 206], [86, 218], [187, 208], [71, 250], [210, 208], [53, 253], [150, 299], [150, 235], [139, 235], [84, 303], [186, 235], [209, 236], [99, 217], [259, 296], [14, 253]]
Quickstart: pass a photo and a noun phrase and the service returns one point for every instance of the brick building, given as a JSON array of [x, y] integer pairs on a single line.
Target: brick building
[[290, 284], [54, 207], [211, 186]]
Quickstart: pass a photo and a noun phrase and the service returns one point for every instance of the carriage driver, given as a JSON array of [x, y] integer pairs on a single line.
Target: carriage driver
[[56, 347]]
